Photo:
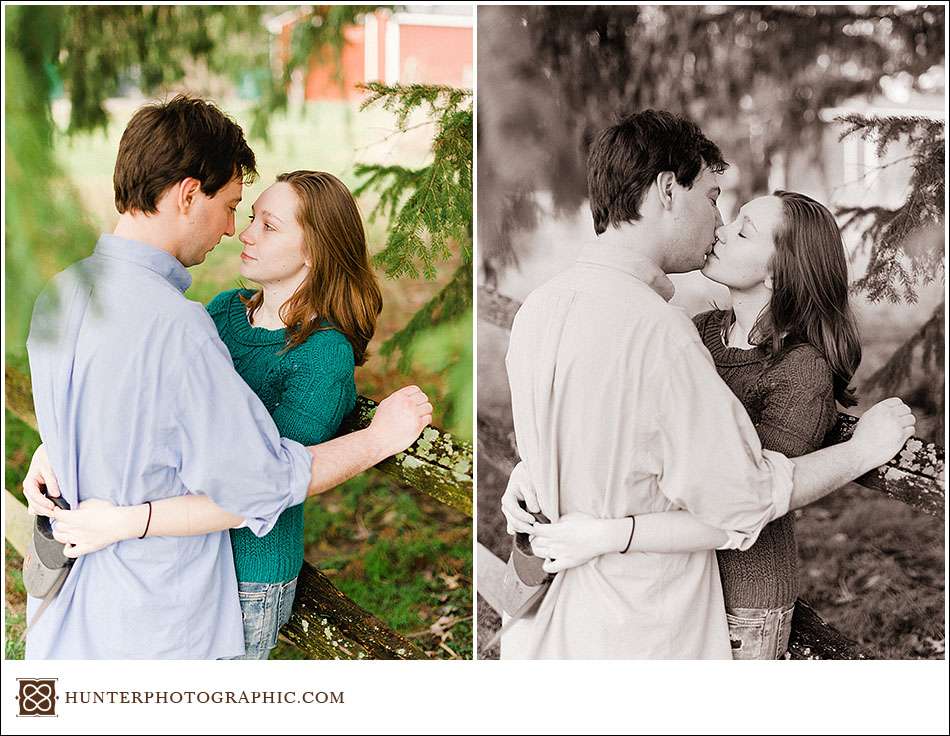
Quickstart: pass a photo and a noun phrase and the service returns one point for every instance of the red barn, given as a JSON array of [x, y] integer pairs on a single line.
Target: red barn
[[425, 47]]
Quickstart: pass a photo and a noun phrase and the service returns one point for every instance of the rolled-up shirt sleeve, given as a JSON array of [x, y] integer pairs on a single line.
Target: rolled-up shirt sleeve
[[711, 460], [231, 450]]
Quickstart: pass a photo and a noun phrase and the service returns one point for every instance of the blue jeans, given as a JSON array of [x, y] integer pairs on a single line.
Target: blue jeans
[[759, 633], [265, 607]]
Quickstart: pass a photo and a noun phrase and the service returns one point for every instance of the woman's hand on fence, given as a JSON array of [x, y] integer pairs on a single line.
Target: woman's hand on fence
[[577, 538], [400, 419], [882, 431], [519, 489], [40, 477], [94, 525]]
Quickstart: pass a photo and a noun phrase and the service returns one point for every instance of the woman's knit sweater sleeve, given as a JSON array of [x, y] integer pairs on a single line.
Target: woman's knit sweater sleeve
[[799, 408], [319, 391]]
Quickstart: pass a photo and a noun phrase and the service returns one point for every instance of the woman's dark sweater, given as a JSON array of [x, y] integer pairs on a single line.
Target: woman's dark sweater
[[792, 406]]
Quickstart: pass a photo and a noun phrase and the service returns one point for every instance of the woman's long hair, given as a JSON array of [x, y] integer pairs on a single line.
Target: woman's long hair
[[341, 288], [809, 301]]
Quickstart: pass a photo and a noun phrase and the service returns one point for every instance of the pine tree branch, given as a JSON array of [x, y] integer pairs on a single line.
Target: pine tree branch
[[451, 302], [871, 170], [925, 350], [893, 271], [430, 206]]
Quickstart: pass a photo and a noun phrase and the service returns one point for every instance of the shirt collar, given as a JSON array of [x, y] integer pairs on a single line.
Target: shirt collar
[[626, 259], [143, 254]]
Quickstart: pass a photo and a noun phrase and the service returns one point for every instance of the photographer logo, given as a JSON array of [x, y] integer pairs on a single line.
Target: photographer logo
[[37, 697]]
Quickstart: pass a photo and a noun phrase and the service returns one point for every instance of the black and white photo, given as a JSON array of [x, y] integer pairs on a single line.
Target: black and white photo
[[692, 284]]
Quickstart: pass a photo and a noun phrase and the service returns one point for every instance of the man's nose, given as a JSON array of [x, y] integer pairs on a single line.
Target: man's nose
[[719, 222], [231, 229]]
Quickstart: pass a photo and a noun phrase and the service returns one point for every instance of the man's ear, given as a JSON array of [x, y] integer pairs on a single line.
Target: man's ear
[[664, 188], [188, 189]]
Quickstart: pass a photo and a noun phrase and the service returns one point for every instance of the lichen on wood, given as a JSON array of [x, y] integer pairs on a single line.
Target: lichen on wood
[[436, 464], [915, 476]]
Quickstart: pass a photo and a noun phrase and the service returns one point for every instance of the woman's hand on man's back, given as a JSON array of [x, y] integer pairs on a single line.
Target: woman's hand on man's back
[[577, 538], [519, 490], [40, 478]]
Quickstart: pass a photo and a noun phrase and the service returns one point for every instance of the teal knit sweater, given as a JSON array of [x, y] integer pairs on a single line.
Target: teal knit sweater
[[307, 390]]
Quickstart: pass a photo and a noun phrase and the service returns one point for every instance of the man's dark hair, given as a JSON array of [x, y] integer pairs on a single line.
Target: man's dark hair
[[170, 141], [625, 159]]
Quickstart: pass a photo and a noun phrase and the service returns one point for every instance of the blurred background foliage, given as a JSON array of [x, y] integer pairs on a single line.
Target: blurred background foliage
[[842, 102], [75, 74]]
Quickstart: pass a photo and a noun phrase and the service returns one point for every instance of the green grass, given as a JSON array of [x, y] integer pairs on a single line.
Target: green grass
[[15, 605], [399, 555]]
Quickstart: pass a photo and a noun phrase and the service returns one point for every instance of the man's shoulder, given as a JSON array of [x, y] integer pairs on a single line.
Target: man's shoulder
[[141, 299], [607, 291], [603, 324], [82, 272], [629, 303]]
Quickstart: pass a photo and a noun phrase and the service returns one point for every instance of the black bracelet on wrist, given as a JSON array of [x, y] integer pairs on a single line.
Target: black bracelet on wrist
[[633, 525], [149, 521]]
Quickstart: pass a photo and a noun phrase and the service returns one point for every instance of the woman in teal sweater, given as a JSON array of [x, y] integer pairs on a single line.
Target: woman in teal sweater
[[296, 342], [306, 247]]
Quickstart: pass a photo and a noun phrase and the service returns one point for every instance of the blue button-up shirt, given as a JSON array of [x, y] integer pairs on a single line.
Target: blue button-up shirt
[[137, 400]]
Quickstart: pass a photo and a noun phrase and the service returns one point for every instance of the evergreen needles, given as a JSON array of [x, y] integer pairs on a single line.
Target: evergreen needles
[[895, 269], [429, 209]]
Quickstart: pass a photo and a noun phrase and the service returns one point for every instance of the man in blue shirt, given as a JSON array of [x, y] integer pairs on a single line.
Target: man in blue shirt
[[137, 400]]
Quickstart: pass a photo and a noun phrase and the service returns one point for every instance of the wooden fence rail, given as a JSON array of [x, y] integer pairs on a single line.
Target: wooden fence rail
[[325, 623], [915, 477]]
